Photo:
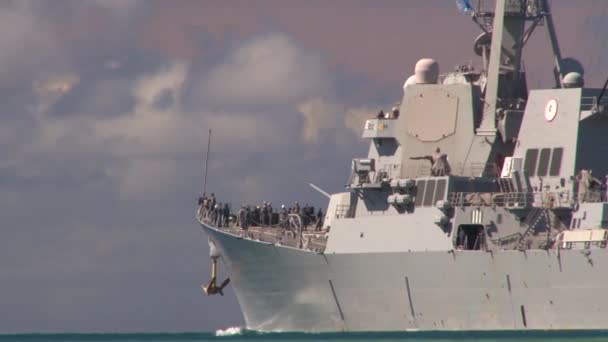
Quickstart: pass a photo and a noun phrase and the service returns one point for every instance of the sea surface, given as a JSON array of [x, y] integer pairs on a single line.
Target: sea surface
[[237, 334]]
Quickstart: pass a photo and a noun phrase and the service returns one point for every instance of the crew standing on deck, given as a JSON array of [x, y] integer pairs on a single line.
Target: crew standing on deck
[[439, 163], [256, 216], [247, 216], [220, 215], [585, 184], [395, 113], [201, 206], [212, 201], [270, 223], [240, 218], [319, 220], [283, 216], [219, 212], [226, 215], [604, 188], [264, 214]]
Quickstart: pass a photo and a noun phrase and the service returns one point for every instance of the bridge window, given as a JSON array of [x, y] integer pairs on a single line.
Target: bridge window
[[530, 162], [543, 162], [440, 190], [419, 192], [429, 192], [556, 161]]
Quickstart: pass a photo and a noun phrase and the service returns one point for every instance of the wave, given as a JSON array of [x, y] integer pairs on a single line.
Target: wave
[[232, 331]]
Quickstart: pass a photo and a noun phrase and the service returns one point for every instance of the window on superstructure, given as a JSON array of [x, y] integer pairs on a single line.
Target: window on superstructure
[[428, 193], [440, 190], [530, 162], [420, 185], [386, 146], [556, 161], [543, 162]]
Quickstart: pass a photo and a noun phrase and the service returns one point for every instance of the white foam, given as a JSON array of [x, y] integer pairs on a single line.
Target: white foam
[[229, 331]]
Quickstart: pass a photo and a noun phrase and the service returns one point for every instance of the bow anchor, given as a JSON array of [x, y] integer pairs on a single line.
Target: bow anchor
[[212, 288]]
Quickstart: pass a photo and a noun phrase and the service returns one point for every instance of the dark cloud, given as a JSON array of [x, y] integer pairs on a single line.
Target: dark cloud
[[105, 98], [164, 100]]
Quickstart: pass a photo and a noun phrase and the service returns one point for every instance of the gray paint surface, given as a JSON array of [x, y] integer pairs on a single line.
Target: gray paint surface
[[286, 289], [426, 248]]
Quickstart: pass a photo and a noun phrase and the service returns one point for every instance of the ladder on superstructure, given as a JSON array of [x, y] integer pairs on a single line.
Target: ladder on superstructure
[[537, 215], [505, 185]]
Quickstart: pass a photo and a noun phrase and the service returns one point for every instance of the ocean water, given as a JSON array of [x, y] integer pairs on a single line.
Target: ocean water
[[236, 334]]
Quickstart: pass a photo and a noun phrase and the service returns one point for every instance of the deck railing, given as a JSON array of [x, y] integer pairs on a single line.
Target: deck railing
[[511, 199], [487, 170], [591, 196], [290, 232], [591, 103]]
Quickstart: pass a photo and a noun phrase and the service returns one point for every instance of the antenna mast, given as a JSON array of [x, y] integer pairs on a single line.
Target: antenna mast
[[506, 84], [207, 164]]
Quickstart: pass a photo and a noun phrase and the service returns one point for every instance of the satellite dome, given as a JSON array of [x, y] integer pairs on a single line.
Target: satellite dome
[[426, 71], [410, 81], [573, 80]]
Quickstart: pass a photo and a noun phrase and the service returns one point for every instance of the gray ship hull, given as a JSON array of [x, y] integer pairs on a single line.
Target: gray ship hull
[[506, 229], [286, 289]]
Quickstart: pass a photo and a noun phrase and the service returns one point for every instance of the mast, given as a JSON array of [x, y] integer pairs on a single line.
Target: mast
[[506, 84], [557, 56], [503, 74], [207, 163]]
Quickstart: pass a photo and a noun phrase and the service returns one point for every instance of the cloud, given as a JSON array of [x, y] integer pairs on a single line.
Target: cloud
[[103, 98], [145, 137], [333, 117], [266, 72], [355, 118], [169, 79], [118, 5], [105, 111], [118, 127], [27, 43], [318, 114], [151, 178], [104, 149], [170, 130]]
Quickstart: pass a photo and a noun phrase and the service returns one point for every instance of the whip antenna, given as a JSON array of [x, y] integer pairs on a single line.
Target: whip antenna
[[599, 99], [207, 164]]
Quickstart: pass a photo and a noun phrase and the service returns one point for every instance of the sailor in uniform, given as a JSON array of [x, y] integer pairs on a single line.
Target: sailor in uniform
[[439, 163]]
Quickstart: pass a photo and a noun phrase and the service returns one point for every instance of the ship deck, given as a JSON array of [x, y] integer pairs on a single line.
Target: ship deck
[[294, 237]]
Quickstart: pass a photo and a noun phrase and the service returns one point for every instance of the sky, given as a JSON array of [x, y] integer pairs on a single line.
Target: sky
[[106, 107]]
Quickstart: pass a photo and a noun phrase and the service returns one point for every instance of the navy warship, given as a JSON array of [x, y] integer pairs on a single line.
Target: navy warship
[[481, 205]]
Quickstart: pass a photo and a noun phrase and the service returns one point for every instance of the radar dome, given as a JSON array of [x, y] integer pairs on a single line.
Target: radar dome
[[426, 71], [410, 81], [573, 80]]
